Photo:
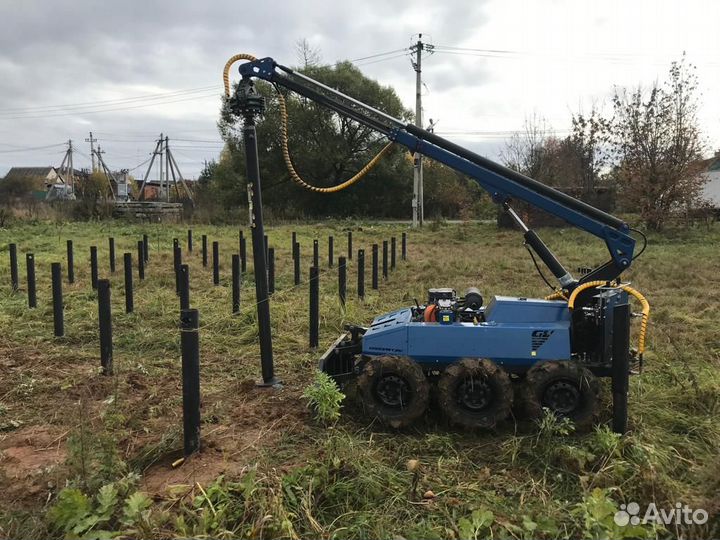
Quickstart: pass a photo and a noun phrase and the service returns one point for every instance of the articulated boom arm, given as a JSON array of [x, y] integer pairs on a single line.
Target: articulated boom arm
[[502, 183]]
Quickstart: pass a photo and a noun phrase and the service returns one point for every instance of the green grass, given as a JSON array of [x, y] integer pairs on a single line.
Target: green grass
[[287, 475]]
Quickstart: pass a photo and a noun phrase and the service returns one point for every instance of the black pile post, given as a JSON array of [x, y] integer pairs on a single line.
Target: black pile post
[[342, 279], [204, 250], [146, 249], [262, 302], [105, 319], [236, 283], [190, 345], [70, 262], [350, 245], [243, 253], [316, 253], [267, 246], [177, 261], [331, 247], [403, 251], [141, 260], [57, 295], [374, 266], [620, 368], [93, 267], [32, 294], [111, 254], [127, 268], [271, 270], [216, 263], [294, 241], [392, 253], [296, 262], [184, 281], [189, 241], [314, 306], [385, 259], [361, 274], [14, 277]]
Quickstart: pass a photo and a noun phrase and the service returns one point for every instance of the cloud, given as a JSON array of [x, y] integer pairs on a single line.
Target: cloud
[[80, 51]]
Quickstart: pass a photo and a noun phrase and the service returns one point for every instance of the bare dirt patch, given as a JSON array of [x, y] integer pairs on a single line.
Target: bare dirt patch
[[31, 461], [256, 422]]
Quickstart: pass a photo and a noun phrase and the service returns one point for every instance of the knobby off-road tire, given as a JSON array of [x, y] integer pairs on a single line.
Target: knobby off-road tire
[[394, 390], [475, 394], [567, 389]]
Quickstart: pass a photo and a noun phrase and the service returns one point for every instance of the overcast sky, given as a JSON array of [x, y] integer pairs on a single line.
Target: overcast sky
[[130, 70]]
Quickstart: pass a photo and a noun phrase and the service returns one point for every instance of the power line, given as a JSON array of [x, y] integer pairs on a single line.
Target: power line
[[394, 54], [192, 159], [134, 141], [112, 109], [499, 51], [611, 58], [117, 101], [382, 59], [404, 49], [201, 140], [31, 148]]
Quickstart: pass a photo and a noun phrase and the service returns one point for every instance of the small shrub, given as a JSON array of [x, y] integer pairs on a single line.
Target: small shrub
[[324, 398], [550, 426], [477, 525], [597, 516], [116, 507]]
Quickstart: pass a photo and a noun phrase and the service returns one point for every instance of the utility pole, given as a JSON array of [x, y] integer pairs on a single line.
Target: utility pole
[[167, 168], [160, 160], [92, 142], [71, 165], [108, 174], [417, 200]]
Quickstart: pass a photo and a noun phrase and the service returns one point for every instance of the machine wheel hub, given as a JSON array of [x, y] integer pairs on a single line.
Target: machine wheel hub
[[562, 397], [474, 393], [393, 391]]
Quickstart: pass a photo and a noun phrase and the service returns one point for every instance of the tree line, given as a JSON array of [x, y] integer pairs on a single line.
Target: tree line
[[648, 150]]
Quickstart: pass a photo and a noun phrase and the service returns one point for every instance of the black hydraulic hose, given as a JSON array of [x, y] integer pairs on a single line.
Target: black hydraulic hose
[[515, 176]]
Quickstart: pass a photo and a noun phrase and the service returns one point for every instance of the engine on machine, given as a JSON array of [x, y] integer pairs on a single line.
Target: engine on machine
[[444, 306]]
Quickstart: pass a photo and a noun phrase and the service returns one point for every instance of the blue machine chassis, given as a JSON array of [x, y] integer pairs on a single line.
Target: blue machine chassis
[[516, 333]]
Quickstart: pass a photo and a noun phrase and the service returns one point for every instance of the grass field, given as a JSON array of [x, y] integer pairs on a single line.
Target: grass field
[[83, 455]]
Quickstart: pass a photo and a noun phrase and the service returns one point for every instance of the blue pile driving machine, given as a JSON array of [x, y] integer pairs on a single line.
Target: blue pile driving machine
[[548, 352]]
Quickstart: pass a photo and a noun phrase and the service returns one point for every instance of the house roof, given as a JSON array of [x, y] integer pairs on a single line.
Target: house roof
[[711, 164], [28, 172]]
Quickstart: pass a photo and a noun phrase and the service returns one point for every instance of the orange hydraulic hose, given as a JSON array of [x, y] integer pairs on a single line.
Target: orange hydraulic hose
[[633, 292]]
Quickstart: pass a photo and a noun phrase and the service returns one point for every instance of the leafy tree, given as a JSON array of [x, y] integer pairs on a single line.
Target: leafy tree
[[531, 152], [658, 145], [20, 186], [92, 194], [586, 149], [326, 149], [207, 173], [452, 195], [94, 187]]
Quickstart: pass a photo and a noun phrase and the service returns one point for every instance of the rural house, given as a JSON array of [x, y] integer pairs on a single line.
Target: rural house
[[711, 190], [48, 175]]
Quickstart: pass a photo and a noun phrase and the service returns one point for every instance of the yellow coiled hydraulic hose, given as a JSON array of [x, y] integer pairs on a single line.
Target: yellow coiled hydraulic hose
[[557, 295], [284, 138]]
